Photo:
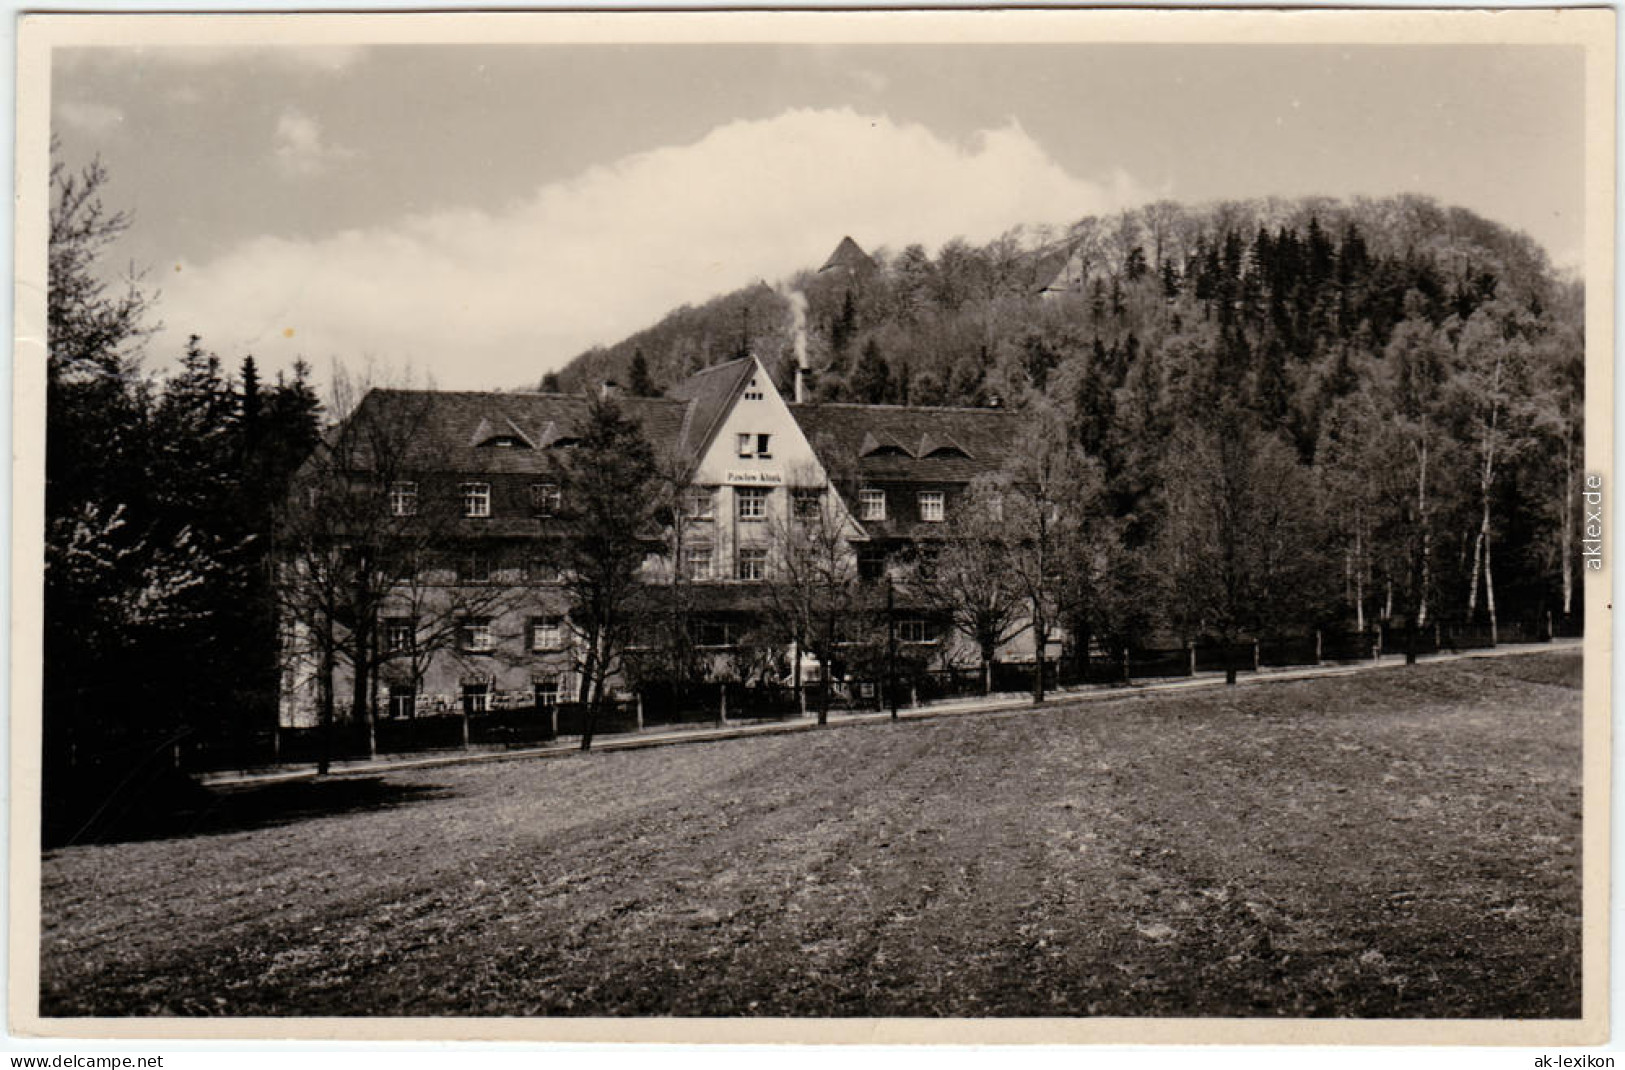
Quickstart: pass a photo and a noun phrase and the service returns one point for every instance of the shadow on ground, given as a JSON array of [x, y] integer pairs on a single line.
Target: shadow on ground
[[173, 807]]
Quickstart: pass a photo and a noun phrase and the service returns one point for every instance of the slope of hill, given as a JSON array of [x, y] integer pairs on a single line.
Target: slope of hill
[[1421, 369]]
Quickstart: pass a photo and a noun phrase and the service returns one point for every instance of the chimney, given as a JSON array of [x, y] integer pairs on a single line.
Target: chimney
[[798, 312]]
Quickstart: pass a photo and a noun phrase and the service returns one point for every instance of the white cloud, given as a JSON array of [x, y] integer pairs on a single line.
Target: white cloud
[[480, 299], [89, 118], [299, 148]]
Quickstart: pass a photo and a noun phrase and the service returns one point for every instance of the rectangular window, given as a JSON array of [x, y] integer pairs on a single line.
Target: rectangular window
[[747, 445], [403, 700], [398, 634], [549, 689], [697, 562], [755, 445], [931, 510], [477, 698], [916, 630], [871, 563], [546, 633], [764, 446], [699, 503], [753, 563], [807, 504], [474, 567], [544, 499], [477, 637], [752, 502], [541, 570], [871, 504], [403, 499], [476, 499], [753, 390]]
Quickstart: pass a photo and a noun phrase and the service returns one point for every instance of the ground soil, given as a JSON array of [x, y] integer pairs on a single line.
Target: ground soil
[[1397, 843]]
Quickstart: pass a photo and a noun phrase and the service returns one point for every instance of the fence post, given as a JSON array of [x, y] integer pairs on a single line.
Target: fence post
[[1255, 655], [1437, 646], [722, 709], [640, 709], [914, 696], [1317, 646]]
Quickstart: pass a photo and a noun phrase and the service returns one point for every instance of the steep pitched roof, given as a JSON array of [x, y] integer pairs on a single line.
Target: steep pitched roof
[[963, 443], [1058, 271], [710, 393], [442, 431], [848, 257]]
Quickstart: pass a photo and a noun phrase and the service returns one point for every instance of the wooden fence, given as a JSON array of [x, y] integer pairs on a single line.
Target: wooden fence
[[661, 704]]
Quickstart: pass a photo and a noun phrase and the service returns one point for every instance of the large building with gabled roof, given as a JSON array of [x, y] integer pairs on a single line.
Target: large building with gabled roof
[[476, 466]]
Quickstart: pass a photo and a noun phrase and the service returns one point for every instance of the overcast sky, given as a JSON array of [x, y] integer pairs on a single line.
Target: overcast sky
[[480, 214]]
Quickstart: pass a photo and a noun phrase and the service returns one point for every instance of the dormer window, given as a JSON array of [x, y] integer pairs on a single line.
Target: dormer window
[[755, 445], [501, 434]]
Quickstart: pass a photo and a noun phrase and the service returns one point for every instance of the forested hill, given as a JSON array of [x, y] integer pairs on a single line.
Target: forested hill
[[1304, 287], [1371, 342]]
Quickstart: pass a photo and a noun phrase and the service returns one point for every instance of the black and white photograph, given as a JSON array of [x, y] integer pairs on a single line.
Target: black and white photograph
[[605, 524]]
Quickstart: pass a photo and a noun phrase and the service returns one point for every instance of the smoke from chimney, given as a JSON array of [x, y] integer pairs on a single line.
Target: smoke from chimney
[[798, 312]]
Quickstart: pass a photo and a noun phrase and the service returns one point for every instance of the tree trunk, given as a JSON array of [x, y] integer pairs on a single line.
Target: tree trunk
[[987, 669], [801, 696], [827, 669], [588, 692], [1359, 571], [359, 714], [1040, 642], [596, 683], [1566, 542], [372, 713], [1472, 585], [326, 686], [1427, 544]]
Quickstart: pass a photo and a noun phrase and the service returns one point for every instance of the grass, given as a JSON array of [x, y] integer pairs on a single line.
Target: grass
[[1399, 843]]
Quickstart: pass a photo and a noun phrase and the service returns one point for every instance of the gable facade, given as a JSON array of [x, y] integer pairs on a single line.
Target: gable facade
[[749, 461]]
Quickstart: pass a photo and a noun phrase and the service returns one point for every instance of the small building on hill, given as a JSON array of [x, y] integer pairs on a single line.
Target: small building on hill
[[848, 260]]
